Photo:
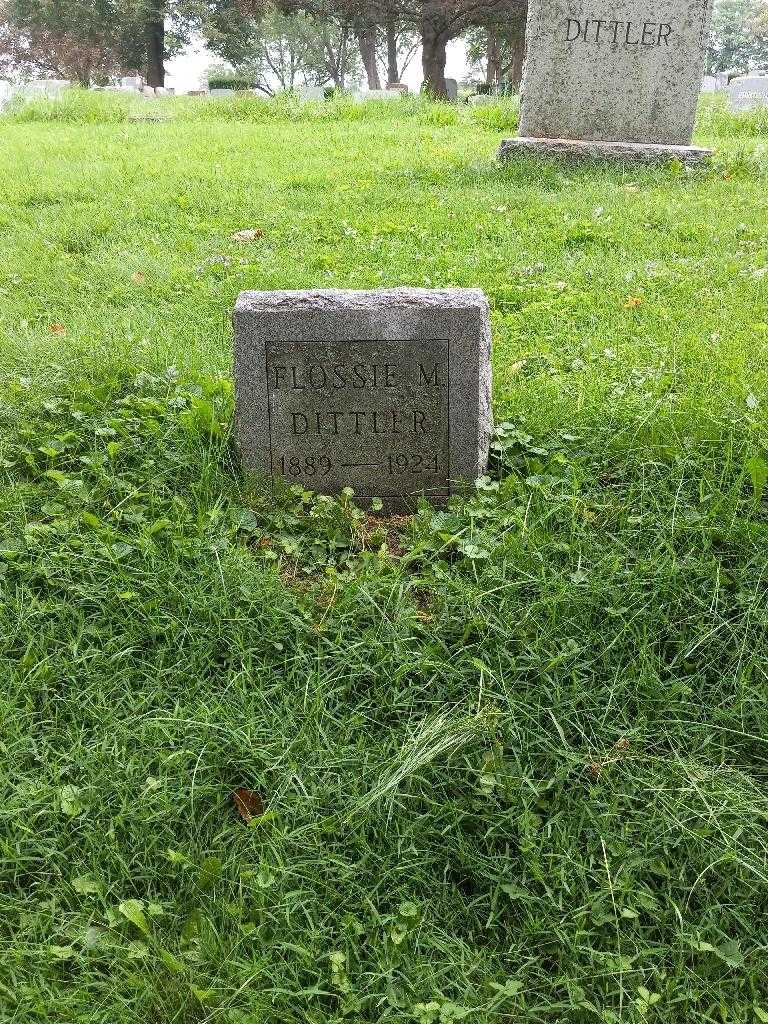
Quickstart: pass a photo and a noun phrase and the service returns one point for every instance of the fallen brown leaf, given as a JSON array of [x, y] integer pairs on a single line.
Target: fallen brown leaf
[[57, 329], [248, 804], [138, 277], [632, 301]]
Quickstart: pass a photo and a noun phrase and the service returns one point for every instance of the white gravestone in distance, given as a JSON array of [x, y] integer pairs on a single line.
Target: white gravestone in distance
[[378, 94], [612, 78], [51, 88], [747, 92], [358, 96], [311, 92], [6, 92]]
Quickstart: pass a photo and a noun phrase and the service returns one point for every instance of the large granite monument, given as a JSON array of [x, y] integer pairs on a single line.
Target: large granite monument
[[616, 80], [387, 392]]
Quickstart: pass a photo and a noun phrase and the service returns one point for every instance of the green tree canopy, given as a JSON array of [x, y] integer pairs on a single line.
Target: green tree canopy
[[80, 40], [86, 40], [739, 36], [281, 51]]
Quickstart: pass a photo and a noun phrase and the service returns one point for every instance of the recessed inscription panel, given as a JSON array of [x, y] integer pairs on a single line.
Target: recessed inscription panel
[[371, 415]]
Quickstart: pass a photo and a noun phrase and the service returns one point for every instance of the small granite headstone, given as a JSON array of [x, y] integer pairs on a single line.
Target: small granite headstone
[[617, 81], [452, 89], [386, 392]]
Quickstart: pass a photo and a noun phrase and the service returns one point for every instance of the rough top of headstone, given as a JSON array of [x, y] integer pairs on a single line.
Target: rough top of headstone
[[628, 72], [327, 298]]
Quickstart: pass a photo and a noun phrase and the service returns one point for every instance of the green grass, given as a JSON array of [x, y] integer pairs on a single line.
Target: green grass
[[514, 765]]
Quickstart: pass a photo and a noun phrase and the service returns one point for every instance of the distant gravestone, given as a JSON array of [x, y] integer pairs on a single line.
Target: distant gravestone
[[6, 92], [377, 94], [386, 392], [620, 80], [311, 92], [51, 88], [452, 89], [747, 92]]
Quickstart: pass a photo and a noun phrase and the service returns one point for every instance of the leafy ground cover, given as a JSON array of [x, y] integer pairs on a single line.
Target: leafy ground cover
[[501, 762]]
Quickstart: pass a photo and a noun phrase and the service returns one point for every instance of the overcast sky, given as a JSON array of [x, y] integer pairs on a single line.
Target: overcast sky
[[187, 71]]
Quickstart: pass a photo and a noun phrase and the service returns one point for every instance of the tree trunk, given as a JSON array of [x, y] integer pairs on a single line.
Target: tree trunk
[[393, 72], [333, 63], [155, 29], [493, 55], [518, 56], [83, 74], [342, 61], [366, 40], [433, 45]]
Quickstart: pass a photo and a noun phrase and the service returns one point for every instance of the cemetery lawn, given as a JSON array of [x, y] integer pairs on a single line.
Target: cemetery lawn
[[506, 762]]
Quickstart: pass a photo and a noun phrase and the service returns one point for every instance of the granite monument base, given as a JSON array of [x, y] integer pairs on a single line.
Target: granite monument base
[[629, 152]]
